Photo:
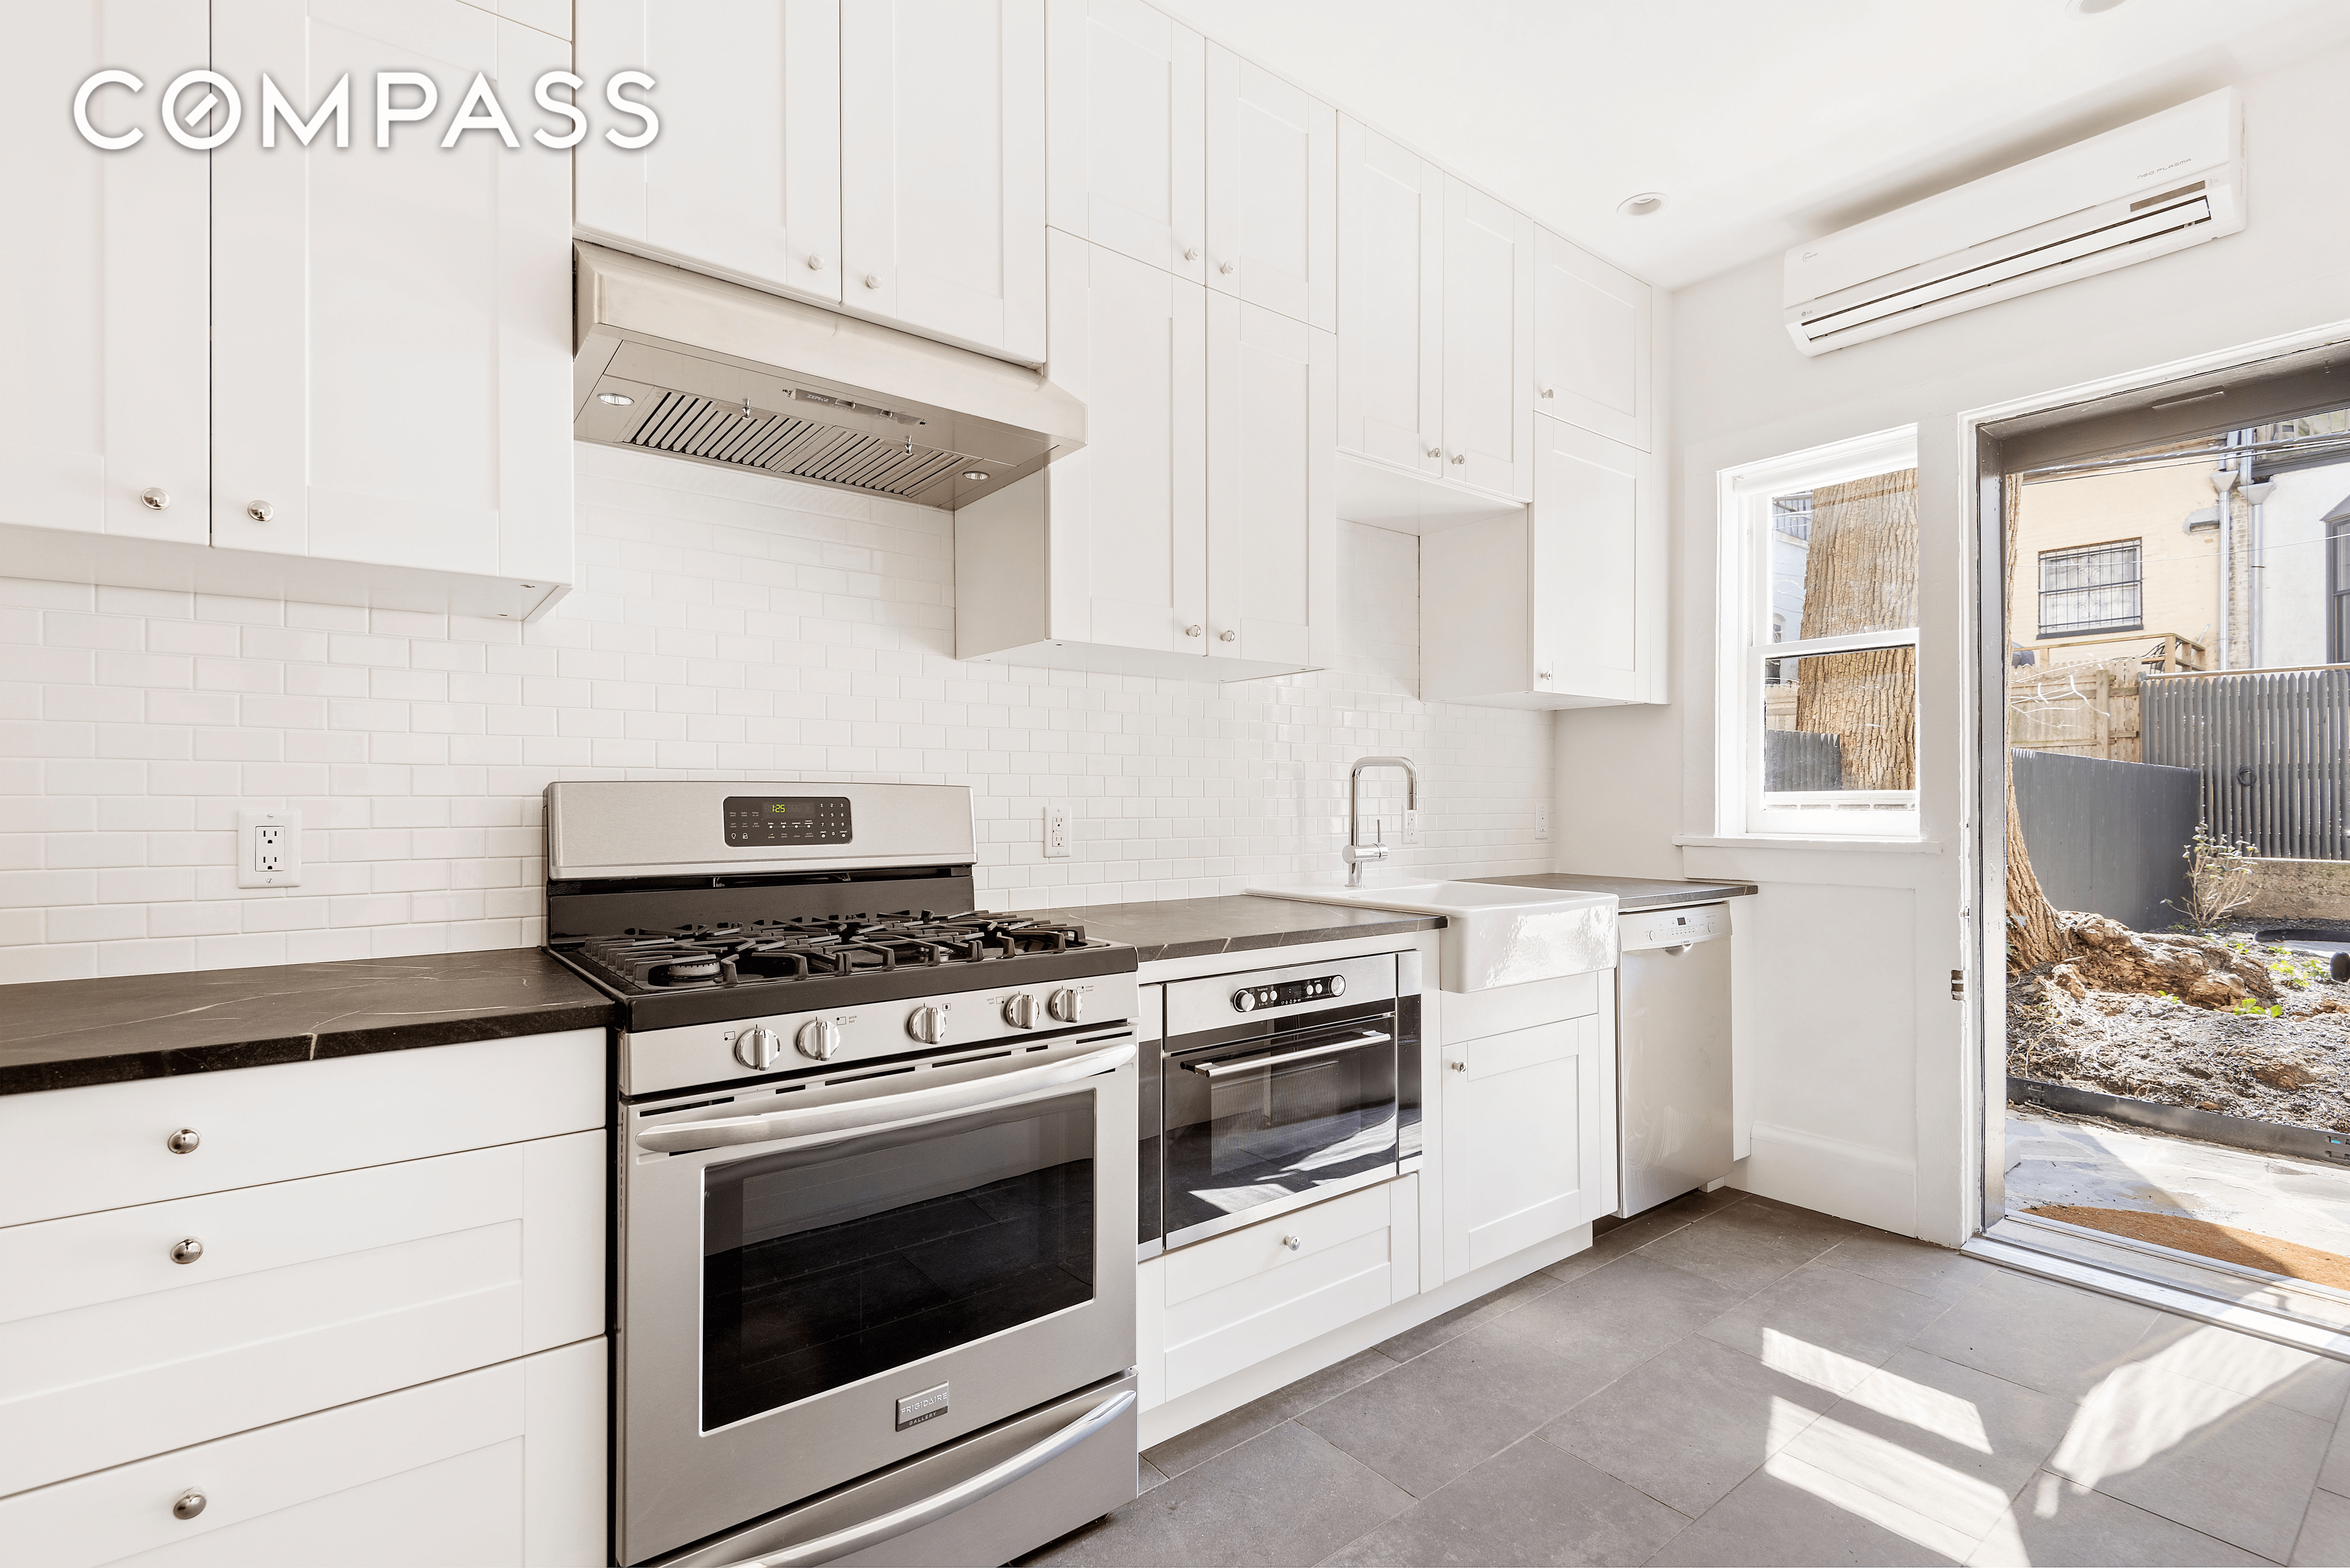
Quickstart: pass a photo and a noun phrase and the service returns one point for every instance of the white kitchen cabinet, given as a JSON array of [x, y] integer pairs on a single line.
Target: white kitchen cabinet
[[505, 1466], [107, 274], [391, 327], [1272, 520], [1526, 1146], [1489, 296], [1273, 218], [1126, 140], [943, 168], [752, 193], [1558, 605], [1592, 344]]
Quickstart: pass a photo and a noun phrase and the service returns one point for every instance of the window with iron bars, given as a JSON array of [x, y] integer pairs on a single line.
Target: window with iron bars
[[2097, 588]]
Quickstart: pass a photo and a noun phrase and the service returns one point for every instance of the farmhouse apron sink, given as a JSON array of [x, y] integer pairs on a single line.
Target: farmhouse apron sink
[[1493, 935]]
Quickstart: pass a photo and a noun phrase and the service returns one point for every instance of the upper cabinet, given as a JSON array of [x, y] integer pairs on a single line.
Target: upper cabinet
[[1272, 217], [1126, 92], [1489, 308], [885, 156], [102, 428], [1592, 350]]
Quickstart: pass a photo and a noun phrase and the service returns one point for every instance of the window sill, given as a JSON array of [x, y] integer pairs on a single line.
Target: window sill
[[1853, 841]]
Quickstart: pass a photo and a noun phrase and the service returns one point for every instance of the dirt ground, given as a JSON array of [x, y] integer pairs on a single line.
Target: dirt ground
[[2292, 1065]]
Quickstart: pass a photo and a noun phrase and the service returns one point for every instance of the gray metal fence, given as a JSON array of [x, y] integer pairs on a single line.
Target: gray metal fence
[[2106, 838], [1802, 760], [2273, 748]]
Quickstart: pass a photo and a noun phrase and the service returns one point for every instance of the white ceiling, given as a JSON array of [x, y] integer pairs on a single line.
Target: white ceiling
[[1764, 121]]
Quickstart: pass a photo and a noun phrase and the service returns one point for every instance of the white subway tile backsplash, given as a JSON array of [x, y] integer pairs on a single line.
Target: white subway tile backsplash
[[726, 626]]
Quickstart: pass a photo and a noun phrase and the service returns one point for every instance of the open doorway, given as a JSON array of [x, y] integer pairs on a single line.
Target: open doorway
[[2167, 698]]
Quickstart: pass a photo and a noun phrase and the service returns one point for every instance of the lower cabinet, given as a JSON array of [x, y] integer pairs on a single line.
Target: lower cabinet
[[500, 1465], [1525, 1139]]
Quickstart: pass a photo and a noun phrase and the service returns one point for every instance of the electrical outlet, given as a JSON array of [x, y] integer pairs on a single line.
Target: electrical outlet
[[1410, 827], [1542, 819], [1056, 830], [268, 848]]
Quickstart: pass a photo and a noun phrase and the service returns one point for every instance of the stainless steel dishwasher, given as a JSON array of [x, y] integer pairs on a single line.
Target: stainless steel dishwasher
[[1672, 1053]]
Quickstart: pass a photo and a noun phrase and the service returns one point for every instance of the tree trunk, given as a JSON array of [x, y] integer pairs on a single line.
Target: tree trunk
[[2034, 935], [1860, 573]]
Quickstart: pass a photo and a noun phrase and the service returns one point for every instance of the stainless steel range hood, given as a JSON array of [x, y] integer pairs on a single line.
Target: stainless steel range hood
[[667, 360]]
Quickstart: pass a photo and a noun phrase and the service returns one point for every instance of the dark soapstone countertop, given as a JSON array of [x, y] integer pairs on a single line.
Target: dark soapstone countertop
[[1189, 928], [63, 1035], [1631, 892]]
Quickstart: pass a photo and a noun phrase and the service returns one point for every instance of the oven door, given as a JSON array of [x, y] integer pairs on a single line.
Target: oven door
[[1276, 1121], [822, 1278]]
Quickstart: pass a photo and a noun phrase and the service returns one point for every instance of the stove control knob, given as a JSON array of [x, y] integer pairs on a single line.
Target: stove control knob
[[757, 1047], [928, 1025], [1067, 1005], [818, 1039], [1020, 1011]]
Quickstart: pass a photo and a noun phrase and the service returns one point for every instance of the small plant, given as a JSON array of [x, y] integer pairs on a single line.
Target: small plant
[[2250, 1007], [2221, 877]]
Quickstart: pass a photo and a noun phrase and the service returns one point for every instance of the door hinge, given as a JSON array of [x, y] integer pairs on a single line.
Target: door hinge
[[1958, 985]]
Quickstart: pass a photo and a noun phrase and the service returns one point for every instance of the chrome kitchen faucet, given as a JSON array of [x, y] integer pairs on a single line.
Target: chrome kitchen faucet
[[1356, 851]]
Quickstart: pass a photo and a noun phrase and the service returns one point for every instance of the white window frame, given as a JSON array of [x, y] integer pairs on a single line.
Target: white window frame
[[1743, 638]]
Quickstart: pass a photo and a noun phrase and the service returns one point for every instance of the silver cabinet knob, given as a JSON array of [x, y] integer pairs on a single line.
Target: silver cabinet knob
[[757, 1047], [1067, 1004], [1542, 674], [1191, 252], [818, 1039], [188, 1504], [872, 280], [1550, 391], [184, 1141], [1225, 267], [1227, 635], [1458, 1066], [928, 1025], [815, 263], [1459, 457], [1020, 1012], [1191, 631], [187, 1250], [260, 511], [153, 498], [1293, 1242], [1436, 452]]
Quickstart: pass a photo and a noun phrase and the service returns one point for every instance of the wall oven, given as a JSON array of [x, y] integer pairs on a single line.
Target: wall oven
[[1277, 1089]]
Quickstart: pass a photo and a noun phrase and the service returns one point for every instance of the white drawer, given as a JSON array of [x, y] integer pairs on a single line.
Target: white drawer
[[1474, 1014], [306, 1294], [74, 1151], [1240, 1298], [503, 1466]]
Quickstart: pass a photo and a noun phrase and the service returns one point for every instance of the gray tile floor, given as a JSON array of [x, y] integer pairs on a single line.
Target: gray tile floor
[[1731, 1380]]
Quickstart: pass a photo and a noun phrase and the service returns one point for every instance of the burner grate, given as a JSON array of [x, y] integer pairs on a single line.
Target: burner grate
[[792, 951]]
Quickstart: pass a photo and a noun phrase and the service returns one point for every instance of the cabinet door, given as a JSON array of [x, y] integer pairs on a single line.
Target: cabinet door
[[1129, 510], [1597, 557], [943, 168], [1390, 301], [1123, 124], [392, 345], [1488, 341], [1591, 343], [752, 193], [1272, 215], [1273, 518], [106, 272], [1525, 1140]]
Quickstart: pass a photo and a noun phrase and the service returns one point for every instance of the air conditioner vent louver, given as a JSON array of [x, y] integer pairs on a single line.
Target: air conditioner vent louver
[[779, 443]]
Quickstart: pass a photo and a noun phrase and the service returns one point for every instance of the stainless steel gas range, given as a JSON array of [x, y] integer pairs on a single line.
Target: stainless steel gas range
[[874, 1257]]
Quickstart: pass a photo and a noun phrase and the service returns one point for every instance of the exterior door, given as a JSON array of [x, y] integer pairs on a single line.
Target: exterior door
[[943, 168], [1126, 90], [752, 193], [1391, 304], [1273, 227], [391, 348], [1597, 571], [1525, 1140], [1488, 341], [1273, 521], [107, 276], [1129, 510], [1591, 343]]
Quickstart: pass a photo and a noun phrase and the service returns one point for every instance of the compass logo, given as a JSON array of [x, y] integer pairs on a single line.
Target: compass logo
[[203, 109]]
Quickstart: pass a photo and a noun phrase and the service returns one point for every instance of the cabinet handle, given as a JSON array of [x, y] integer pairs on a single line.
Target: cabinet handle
[[872, 280], [815, 263], [155, 499], [1190, 631], [1542, 674], [1191, 252], [1436, 452], [1458, 1066], [1225, 267], [1459, 457], [260, 511], [187, 1250], [1228, 636], [1550, 391], [1293, 1242], [189, 1504], [184, 1141]]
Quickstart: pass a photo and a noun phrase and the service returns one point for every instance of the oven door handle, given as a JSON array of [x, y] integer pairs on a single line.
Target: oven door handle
[[963, 1494], [855, 1115], [1209, 1070]]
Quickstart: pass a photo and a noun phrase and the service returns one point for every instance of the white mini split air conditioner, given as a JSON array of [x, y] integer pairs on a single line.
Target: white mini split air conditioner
[[2165, 182]]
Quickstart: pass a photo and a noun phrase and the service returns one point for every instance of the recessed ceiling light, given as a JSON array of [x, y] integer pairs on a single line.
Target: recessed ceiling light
[[2091, 7], [1641, 205], [974, 473], [617, 399]]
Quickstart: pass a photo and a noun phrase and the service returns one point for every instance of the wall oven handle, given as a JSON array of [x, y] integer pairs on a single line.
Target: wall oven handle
[[1209, 1070], [914, 1515], [850, 1116]]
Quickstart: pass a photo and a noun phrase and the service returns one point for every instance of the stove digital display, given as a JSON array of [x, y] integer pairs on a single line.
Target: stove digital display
[[753, 820]]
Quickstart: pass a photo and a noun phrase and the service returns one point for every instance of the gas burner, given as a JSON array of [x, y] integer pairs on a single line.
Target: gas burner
[[694, 956]]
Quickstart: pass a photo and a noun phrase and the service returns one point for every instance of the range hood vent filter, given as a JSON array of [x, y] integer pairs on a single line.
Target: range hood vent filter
[[690, 426]]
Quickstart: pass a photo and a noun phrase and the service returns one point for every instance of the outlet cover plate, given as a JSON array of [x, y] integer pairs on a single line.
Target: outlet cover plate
[[268, 848], [1056, 830]]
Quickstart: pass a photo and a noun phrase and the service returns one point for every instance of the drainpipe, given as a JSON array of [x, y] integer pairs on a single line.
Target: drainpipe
[[2255, 577], [2224, 480]]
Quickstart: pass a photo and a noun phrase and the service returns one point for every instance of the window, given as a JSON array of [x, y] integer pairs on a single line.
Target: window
[[2337, 578], [1819, 672], [2096, 588]]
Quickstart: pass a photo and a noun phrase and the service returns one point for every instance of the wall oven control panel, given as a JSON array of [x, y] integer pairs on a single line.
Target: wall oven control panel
[[1289, 993]]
